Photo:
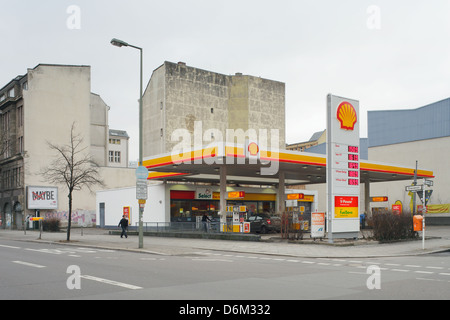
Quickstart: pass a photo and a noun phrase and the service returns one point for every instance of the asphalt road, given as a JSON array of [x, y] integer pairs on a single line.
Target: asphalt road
[[45, 271]]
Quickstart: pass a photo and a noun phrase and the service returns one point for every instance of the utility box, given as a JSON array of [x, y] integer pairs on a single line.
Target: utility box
[[418, 222]]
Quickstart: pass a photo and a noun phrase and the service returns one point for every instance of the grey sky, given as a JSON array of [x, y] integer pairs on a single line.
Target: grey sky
[[315, 47]]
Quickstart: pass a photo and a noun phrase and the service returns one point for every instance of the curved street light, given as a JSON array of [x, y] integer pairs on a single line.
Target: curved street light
[[120, 43]]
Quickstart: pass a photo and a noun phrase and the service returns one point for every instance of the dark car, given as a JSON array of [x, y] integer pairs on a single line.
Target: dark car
[[263, 223]]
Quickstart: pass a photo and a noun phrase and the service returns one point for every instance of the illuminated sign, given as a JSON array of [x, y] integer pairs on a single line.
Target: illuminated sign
[[295, 196], [343, 167], [236, 195], [346, 207], [346, 114], [379, 199], [253, 149]]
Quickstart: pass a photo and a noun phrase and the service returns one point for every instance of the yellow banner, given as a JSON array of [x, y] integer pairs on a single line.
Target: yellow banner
[[438, 208], [349, 212]]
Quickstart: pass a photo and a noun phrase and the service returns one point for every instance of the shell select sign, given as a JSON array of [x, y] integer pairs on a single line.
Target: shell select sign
[[346, 114]]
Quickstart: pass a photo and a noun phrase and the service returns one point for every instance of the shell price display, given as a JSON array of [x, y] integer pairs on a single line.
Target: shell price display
[[353, 149], [353, 165]]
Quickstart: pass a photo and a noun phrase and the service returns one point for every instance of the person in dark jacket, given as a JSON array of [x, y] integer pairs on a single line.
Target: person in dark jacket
[[124, 224], [205, 220]]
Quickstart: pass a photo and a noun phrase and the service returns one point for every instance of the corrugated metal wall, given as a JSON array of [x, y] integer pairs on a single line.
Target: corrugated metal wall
[[398, 126]]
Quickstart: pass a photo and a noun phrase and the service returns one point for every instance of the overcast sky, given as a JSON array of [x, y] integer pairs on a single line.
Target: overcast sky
[[386, 54]]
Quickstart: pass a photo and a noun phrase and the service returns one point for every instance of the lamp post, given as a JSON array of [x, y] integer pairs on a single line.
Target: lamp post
[[120, 43]]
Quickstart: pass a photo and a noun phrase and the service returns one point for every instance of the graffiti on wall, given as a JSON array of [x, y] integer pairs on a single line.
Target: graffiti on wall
[[82, 218]]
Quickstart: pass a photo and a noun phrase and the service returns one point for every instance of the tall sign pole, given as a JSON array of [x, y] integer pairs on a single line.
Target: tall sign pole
[[141, 196], [343, 169]]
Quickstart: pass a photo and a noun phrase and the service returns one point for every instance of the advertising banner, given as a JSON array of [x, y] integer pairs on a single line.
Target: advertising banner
[[42, 198], [317, 224], [346, 207]]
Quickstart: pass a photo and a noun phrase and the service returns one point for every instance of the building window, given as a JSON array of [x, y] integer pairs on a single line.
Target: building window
[[114, 156], [117, 156], [20, 116], [20, 144], [12, 93], [114, 141]]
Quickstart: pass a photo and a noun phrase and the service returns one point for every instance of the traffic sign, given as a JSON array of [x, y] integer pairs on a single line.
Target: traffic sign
[[141, 173], [414, 188], [429, 182], [427, 195], [141, 189]]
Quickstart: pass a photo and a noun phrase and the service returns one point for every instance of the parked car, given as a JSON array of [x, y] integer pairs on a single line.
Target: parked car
[[263, 223]]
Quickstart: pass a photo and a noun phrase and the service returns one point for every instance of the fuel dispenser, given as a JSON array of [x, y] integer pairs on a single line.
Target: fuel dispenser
[[235, 217]]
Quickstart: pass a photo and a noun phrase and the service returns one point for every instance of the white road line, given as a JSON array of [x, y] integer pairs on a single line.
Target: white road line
[[111, 282], [444, 274], [412, 266], [400, 270], [426, 272], [211, 260], [11, 247], [29, 264], [44, 251], [439, 268]]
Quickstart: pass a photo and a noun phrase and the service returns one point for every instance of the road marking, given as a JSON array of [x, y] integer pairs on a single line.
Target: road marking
[[11, 247], [427, 272], [430, 279], [400, 270], [111, 282], [54, 251], [412, 266], [445, 274], [211, 260], [439, 268], [29, 264]]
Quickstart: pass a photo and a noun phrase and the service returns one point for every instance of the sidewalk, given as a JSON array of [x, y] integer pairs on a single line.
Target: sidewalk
[[437, 239]]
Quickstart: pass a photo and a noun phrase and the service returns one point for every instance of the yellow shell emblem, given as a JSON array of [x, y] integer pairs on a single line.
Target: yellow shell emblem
[[253, 149], [346, 115]]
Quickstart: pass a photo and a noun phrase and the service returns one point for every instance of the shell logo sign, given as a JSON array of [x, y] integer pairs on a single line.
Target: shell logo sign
[[253, 149], [346, 114]]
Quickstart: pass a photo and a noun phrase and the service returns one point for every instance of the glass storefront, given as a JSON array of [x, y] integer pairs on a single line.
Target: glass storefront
[[184, 207], [186, 210]]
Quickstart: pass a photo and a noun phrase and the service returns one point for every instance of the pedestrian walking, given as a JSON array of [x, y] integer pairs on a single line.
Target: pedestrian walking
[[205, 220], [124, 224]]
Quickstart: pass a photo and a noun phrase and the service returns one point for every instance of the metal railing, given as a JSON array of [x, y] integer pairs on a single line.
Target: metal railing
[[180, 226]]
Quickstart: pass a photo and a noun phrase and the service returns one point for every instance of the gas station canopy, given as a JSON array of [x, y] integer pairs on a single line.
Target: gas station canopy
[[246, 164]]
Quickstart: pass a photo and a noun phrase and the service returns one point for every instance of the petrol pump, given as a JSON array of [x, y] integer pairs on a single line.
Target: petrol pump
[[235, 219]]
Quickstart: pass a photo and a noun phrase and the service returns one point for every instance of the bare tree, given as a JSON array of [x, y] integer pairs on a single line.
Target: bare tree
[[73, 167]]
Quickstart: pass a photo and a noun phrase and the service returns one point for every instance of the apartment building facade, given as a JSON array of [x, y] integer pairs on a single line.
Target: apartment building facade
[[39, 108]]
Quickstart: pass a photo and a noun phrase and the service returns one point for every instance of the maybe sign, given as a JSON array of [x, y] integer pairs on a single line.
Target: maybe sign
[[42, 198]]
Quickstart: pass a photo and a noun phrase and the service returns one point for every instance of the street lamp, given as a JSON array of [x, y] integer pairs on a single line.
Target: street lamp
[[120, 43]]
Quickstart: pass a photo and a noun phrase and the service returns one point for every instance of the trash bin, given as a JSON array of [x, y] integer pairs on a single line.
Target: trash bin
[[417, 222]]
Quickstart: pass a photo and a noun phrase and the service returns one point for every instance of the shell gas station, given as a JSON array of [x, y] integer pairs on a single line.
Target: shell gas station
[[231, 182], [239, 175]]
